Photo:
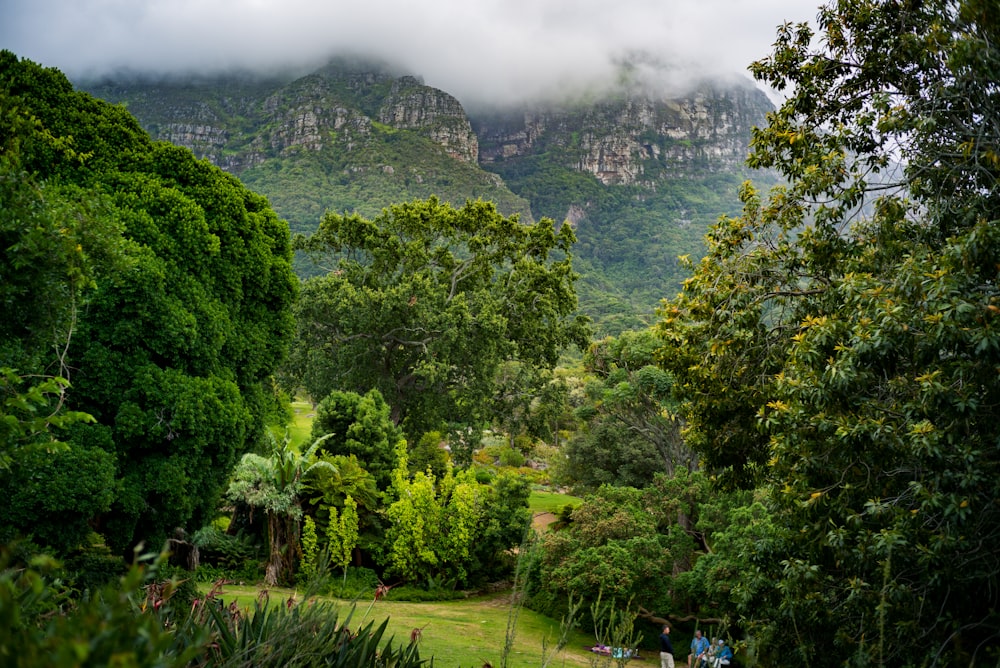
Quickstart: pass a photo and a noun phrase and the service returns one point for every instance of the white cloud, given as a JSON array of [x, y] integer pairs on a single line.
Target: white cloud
[[485, 50]]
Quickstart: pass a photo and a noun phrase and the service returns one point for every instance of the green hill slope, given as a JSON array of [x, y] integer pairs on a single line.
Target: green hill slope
[[639, 175]]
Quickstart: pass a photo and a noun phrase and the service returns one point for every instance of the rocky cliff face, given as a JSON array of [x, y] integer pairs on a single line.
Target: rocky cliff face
[[629, 137], [413, 106], [333, 107], [635, 138]]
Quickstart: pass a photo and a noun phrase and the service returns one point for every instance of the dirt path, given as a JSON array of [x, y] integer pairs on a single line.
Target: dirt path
[[541, 521]]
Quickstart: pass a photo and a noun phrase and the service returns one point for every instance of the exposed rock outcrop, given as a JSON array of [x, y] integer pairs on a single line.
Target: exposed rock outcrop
[[414, 106], [636, 138]]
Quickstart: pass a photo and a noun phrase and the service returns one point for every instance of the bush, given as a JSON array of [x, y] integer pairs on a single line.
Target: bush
[[418, 595], [298, 635], [144, 621], [178, 583], [359, 585], [251, 571], [483, 475], [93, 567], [226, 551], [511, 457], [53, 495], [112, 626], [524, 444]]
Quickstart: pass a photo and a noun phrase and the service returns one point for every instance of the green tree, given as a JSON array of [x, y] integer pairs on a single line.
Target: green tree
[[455, 530], [310, 562], [531, 402], [631, 427], [56, 241], [326, 490], [505, 519], [604, 452], [838, 342], [175, 284], [627, 543], [54, 495], [414, 524], [274, 484], [343, 534], [636, 394], [425, 302], [428, 455], [359, 426]]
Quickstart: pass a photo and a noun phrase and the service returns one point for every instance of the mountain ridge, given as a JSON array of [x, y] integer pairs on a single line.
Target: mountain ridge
[[640, 174]]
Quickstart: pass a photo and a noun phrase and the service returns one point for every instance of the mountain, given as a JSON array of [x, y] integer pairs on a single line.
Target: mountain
[[639, 173]]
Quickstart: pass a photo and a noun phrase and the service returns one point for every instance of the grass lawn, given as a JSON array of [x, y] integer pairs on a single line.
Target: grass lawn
[[550, 502], [300, 427], [466, 633]]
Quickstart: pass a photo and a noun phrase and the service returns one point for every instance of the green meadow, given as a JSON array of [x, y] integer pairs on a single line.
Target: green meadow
[[465, 633]]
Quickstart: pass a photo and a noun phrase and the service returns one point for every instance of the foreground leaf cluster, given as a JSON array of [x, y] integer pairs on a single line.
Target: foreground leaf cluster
[[144, 621], [838, 344]]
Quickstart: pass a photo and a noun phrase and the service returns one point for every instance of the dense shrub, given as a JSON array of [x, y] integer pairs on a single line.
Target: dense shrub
[[250, 571], [144, 620], [52, 495], [359, 584], [92, 567], [511, 457], [226, 551]]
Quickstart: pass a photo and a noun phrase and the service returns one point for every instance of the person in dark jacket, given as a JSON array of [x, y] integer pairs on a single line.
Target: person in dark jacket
[[666, 649]]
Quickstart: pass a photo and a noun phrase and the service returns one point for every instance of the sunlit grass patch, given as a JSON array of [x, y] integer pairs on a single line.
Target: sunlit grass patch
[[468, 632]]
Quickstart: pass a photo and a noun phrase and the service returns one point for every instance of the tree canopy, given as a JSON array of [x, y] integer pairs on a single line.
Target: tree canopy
[[631, 430], [425, 301], [359, 426], [838, 343], [186, 311]]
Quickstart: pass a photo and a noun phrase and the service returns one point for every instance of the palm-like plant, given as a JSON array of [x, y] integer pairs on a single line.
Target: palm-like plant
[[274, 483]]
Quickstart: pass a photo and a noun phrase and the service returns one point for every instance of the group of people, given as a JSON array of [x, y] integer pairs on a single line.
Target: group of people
[[704, 654]]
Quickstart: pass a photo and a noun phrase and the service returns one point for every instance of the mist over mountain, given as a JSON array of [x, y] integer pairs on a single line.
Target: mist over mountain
[[484, 53]]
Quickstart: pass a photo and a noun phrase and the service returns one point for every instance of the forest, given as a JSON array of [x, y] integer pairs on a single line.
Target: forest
[[800, 457]]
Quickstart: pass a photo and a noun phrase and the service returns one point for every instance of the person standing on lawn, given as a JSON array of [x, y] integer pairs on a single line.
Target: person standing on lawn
[[666, 649]]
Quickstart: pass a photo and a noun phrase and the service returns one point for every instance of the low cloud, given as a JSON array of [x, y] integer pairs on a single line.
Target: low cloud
[[482, 51]]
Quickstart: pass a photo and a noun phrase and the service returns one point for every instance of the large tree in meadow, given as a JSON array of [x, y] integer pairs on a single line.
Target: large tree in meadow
[[839, 343], [172, 344], [425, 301]]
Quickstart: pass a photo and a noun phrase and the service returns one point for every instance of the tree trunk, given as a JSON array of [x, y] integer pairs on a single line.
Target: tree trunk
[[281, 552]]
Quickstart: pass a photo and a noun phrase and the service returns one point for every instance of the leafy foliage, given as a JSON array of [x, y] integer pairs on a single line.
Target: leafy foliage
[[631, 428], [54, 240], [837, 342], [327, 490], [53, 495], [342, 533], [138, 622], [644, 546], [274, 485], [174, 281], [454, 531], [359, 426], [426, 302]]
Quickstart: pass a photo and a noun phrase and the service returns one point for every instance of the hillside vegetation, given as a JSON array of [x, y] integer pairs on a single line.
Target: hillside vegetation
[[639, 174]]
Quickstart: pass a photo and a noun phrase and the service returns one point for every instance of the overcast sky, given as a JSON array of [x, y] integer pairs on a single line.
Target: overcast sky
[[481, 51]]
